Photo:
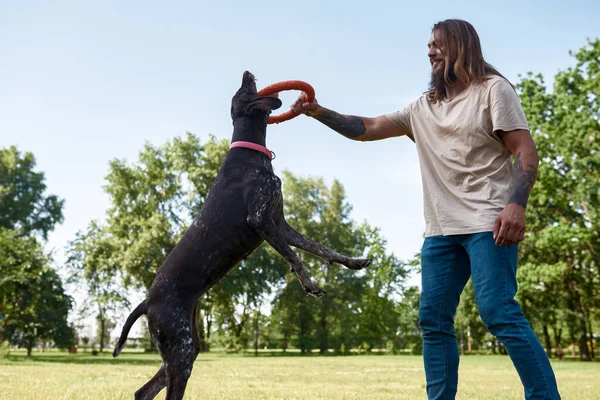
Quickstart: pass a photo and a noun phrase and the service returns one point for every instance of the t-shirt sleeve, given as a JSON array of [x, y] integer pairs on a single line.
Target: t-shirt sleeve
[[401, 120], [505, 108]]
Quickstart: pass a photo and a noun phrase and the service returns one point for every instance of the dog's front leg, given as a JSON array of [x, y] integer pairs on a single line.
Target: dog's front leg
[[260, 218], [271, 234], [296, 239]]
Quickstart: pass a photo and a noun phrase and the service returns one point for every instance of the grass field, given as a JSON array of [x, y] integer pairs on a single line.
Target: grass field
[[54, 375]]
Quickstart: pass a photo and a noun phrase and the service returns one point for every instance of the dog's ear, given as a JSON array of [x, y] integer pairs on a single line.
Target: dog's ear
[[265, 104], [272, 102]]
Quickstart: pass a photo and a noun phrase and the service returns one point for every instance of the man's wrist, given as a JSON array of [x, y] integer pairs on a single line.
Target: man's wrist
[[316, 112], [514, 203]]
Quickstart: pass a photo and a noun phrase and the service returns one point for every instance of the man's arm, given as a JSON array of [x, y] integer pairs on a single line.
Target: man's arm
[[521, 145], [510, 225], [351, 126]]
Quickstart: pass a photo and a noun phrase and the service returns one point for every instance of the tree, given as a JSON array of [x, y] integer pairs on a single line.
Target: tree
[[560, 264], [33, 303], [24, 206], [92, 263], [85, 340], [239, 295], [154, 200], [32, 299], [359, 307], [103, 328], [384, 323]]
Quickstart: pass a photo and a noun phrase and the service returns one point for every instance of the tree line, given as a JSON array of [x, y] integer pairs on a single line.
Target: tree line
[[154, 198]]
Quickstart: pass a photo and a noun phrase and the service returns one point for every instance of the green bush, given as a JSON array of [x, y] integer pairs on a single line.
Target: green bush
[[4, 349]]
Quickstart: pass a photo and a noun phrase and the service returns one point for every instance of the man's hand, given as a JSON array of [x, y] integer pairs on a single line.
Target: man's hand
[[509, 227], [302, 106]]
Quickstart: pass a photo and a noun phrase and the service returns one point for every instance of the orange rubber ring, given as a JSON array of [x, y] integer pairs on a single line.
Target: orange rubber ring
[[287, 85]]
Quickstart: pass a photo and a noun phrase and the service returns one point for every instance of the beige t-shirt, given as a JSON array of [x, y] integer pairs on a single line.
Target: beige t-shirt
[[465, 167]]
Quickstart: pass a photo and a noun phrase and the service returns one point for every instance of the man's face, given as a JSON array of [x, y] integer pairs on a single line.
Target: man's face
[[436, 57]]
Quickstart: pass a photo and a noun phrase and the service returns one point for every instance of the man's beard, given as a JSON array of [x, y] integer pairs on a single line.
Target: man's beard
[[437, 77]]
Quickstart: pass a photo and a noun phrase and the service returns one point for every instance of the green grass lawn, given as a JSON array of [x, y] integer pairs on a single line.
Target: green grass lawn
[[54, 375]]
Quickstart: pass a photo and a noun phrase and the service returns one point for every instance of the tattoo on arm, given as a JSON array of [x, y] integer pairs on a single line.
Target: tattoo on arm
[[522, 181], [347, 125]]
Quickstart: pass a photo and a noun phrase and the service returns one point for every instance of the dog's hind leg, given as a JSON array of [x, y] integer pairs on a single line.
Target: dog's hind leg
[[179, 369], [172, 334], [153, 386], [296, 239]]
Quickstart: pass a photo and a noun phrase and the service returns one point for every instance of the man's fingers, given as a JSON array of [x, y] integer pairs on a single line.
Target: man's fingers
[[520, 235], [501, 237], [301, 106], [513, 235], [497, 224], [297, 105]]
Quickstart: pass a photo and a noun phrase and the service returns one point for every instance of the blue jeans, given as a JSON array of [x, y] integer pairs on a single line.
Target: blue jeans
[[447, 264]]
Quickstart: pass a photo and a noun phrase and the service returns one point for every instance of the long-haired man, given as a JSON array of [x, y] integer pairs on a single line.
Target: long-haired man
[[466, 127]]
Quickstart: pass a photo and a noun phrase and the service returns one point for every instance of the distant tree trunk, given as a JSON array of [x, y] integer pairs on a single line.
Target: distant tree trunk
[[200, 327], [303, 332], [593, 353], [577, 305], [208, 330], [208, 321], [469, 340], [29, 345], [557, 339], [323, 331], [323, 334], [256, 334], [102, 324], [548, 342], [584, 350], [502, 349]]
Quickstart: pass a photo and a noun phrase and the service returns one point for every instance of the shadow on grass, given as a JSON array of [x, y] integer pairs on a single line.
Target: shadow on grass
[[135, 358], [104, 358]]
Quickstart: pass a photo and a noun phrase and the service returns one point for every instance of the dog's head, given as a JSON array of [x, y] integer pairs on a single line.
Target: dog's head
[[247, 102]]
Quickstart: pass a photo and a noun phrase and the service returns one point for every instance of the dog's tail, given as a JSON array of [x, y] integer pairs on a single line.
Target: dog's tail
[[135, 314]]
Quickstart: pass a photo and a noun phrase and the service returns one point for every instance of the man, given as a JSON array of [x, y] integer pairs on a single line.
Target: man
[[465, 127]]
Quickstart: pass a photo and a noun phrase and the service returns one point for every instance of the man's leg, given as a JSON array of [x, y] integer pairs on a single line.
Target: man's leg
[[494, 271], [445, 272]]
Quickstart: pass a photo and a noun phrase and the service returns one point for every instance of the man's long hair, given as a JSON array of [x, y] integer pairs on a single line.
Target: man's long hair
[[463, 58]]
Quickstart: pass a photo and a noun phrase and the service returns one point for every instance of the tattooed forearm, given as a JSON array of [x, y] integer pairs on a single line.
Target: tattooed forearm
[[522, 181], [347, 125]]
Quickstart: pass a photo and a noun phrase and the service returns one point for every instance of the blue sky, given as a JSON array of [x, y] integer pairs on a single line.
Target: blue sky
[[83, 82]]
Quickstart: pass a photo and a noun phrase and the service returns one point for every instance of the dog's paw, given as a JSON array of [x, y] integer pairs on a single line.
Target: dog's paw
[[316, 292], [359, 263]]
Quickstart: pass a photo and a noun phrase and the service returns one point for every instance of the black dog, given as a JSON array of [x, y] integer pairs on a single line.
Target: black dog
[[243, 208]]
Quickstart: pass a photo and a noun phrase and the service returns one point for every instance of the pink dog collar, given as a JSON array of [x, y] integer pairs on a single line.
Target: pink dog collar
[[254, 146]]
